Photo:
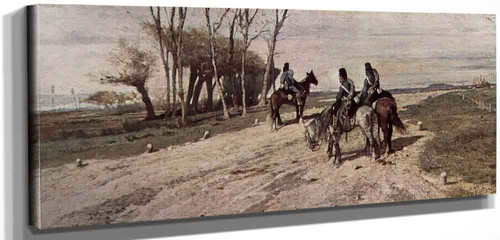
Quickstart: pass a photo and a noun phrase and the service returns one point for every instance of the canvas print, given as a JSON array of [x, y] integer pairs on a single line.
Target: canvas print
[[165, 113]]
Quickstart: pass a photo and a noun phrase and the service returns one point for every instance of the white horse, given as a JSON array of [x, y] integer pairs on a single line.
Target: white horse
[[321, 128]]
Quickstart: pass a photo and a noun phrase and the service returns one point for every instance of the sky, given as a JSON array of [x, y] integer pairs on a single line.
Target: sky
[[407, 49]]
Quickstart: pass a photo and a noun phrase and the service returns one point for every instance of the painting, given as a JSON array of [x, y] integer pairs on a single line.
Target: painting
[[144, 114]]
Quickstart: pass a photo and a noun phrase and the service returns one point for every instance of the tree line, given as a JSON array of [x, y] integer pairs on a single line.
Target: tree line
[[221, 62]]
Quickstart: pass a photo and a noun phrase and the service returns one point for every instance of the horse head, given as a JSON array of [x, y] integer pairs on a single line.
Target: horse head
[[311, 135], [311, 78]]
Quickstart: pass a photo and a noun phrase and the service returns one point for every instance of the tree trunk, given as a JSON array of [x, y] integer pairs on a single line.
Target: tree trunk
[[167, 74], [147, 101], [274, 78], [174, 87], [243, 88], [245, 20], [193, 75], [197, 92], [235, 91], [163, 53], [268, 75], [232, 72], [180, 46], [181, 96], [266, 79], [213, 55], [220, 90], [210, 94]]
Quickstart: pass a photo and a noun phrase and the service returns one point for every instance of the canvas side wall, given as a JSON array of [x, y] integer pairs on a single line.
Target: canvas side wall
[[33, 128]]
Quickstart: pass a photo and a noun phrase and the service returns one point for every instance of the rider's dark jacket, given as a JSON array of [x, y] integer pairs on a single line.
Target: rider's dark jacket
[[372, 81], [287, 78], [346, 90]]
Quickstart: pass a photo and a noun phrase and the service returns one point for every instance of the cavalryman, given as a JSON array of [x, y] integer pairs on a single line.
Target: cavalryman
[[346, 93], [289, 82], [371, 87]]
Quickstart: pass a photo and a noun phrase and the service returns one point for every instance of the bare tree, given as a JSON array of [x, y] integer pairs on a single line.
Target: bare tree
[[163, 43], [134, 68], [245, 21], [232, 75], [177, 43], [271, 47], [212, 31]]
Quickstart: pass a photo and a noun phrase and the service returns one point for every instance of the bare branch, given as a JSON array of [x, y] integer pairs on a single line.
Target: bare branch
[[217, 24], [235, 17], [153, 14], [279, 23], [257, 35], [166, 12], [253, 16]]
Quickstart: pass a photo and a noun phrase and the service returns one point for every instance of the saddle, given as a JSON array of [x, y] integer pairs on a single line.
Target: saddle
[[345, 120], [289, 94]]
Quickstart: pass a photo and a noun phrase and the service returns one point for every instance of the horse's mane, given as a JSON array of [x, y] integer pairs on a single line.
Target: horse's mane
[[303, 80], [324, 120]]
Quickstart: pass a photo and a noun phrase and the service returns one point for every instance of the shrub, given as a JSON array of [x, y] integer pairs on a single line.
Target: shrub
[[133, 126], [481, 82]]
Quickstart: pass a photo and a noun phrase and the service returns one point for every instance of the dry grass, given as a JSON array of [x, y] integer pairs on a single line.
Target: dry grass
[[64, 137], [465, 136]]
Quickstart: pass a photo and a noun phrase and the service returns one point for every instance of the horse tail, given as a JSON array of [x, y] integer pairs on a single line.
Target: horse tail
[[396, 120]]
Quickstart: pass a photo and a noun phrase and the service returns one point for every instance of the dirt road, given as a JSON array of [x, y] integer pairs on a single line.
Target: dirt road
[[251, 170]]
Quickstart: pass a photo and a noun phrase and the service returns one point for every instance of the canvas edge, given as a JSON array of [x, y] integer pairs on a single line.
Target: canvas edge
[[34, 208]]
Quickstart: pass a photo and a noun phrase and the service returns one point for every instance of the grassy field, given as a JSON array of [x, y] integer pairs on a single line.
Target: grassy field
[[64, 137], [465, 142]]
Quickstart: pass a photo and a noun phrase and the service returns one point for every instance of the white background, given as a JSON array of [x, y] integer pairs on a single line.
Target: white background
[[476, 218]]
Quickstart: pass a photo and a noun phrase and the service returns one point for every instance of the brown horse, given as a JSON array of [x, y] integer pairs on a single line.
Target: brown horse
[[280, 97], [387, 113]]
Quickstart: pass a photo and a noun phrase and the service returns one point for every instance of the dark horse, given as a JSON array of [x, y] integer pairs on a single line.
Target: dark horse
[[387, 113], [280, 97]]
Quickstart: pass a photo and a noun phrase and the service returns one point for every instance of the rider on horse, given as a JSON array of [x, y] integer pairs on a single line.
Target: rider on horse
[[371, 87], [289, 83], [344, 96]]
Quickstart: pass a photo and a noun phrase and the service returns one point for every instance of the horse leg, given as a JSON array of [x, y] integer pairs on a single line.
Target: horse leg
[[275, 118], [278, 116], [389, 138], [297, 115], [385, 130], [369, 131], [338, 153], [280, 122], [379, 125], [330, 147], [273, 124], [367, 145], [301, 114], [375, 141]]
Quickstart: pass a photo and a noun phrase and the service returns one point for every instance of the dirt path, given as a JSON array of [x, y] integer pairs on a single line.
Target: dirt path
[[247, 171]]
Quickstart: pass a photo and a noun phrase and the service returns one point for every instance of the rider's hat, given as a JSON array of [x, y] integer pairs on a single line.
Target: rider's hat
[[368, 66], [343, 73], [286, 66]]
